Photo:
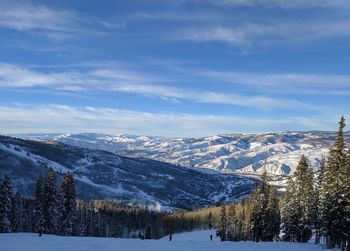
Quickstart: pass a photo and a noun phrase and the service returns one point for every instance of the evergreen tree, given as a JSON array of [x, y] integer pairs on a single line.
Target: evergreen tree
[[69, 212], [273, 217], [290, 213], [299, 204], [317, 221], [39, 204], [347, 197], [5, 205], [259, 201], [221, 226], [232, 224], [210, 220], [17, 213], [332, 197], [305, 195], [50, 203], [148, 232]]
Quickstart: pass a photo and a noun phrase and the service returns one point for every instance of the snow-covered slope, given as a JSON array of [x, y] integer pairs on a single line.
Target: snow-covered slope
[[101, 174], [243, 153], [192, 241]]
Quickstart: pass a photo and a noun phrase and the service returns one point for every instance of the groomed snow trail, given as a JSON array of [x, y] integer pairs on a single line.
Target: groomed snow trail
[[193, 241]]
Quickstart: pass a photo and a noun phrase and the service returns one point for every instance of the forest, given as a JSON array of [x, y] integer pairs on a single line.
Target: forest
[[314, 203]]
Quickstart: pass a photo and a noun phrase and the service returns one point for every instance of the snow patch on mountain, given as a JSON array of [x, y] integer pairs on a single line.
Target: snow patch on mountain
[[246, 153]]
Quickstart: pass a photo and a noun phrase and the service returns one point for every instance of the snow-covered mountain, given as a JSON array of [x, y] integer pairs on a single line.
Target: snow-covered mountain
[[101, 175], [242, 153]]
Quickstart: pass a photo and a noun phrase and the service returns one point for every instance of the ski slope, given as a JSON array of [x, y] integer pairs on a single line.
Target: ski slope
[[193, 241]]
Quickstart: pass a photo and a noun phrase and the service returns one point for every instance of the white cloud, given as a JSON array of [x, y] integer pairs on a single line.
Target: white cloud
[[284, 83], [126, 81], [286, 4], [52, 24], [56, 24], [264, 33], [61, 118]]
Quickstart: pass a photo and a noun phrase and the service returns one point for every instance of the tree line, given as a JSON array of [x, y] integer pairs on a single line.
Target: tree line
[[56, 210], [314, 202]]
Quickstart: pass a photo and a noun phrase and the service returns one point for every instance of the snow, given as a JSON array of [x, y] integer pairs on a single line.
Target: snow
[[192, 241], [242, 153]]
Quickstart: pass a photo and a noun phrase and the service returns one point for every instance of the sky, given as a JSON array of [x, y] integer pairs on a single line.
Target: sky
[[173, 68]]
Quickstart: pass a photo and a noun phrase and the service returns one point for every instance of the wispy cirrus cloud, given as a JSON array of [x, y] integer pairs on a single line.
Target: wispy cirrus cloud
[[285, 4], [264, 33], [52, 24], [122, 80], [290, 83], [56, 24], [23, 118]]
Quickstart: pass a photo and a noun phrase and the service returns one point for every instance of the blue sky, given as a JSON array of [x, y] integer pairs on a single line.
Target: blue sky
[[173, 68]]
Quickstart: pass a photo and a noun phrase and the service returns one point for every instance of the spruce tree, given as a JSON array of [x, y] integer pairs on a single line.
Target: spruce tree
[[17, 213], [290, 213], [69, 211], [259, 201], [273, 217], [317, 221], [232, 224], [148, 232], [39, 204], [306, 198], [50, 203], [298, 212], [221, 226], [5, 205], [332, 197], [347, 197]]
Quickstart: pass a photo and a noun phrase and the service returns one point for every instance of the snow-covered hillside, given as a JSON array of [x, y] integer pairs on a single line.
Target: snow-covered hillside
[[193, 241], [104, 175], [244, 153]]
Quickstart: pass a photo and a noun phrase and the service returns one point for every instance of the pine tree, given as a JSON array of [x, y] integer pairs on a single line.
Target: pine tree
[[347, 196], [290, 213], [69, 211], [17, 213], [221, 227], [317, 221], [332, 198], [5, 205], [50, 203], [39, 204], [306, 198], [273, 217], [232, 224], [259, 201], [210, 220], [148, 232], [298, 213]]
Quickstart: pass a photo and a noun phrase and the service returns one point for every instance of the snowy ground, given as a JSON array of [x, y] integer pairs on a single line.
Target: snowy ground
[[193, 241]]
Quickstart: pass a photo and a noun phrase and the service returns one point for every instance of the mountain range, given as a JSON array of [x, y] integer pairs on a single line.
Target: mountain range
[[248, 154], [104, 175]]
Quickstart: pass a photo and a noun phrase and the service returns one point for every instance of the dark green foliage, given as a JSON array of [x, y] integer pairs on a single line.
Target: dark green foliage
[[17, 213], [298, 213], [69, 211], [51, 203], [148, 234], [39, 204], [5, 205], [273, 217], [265, 217], [221, 226], [232, 225], [334, 196]]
